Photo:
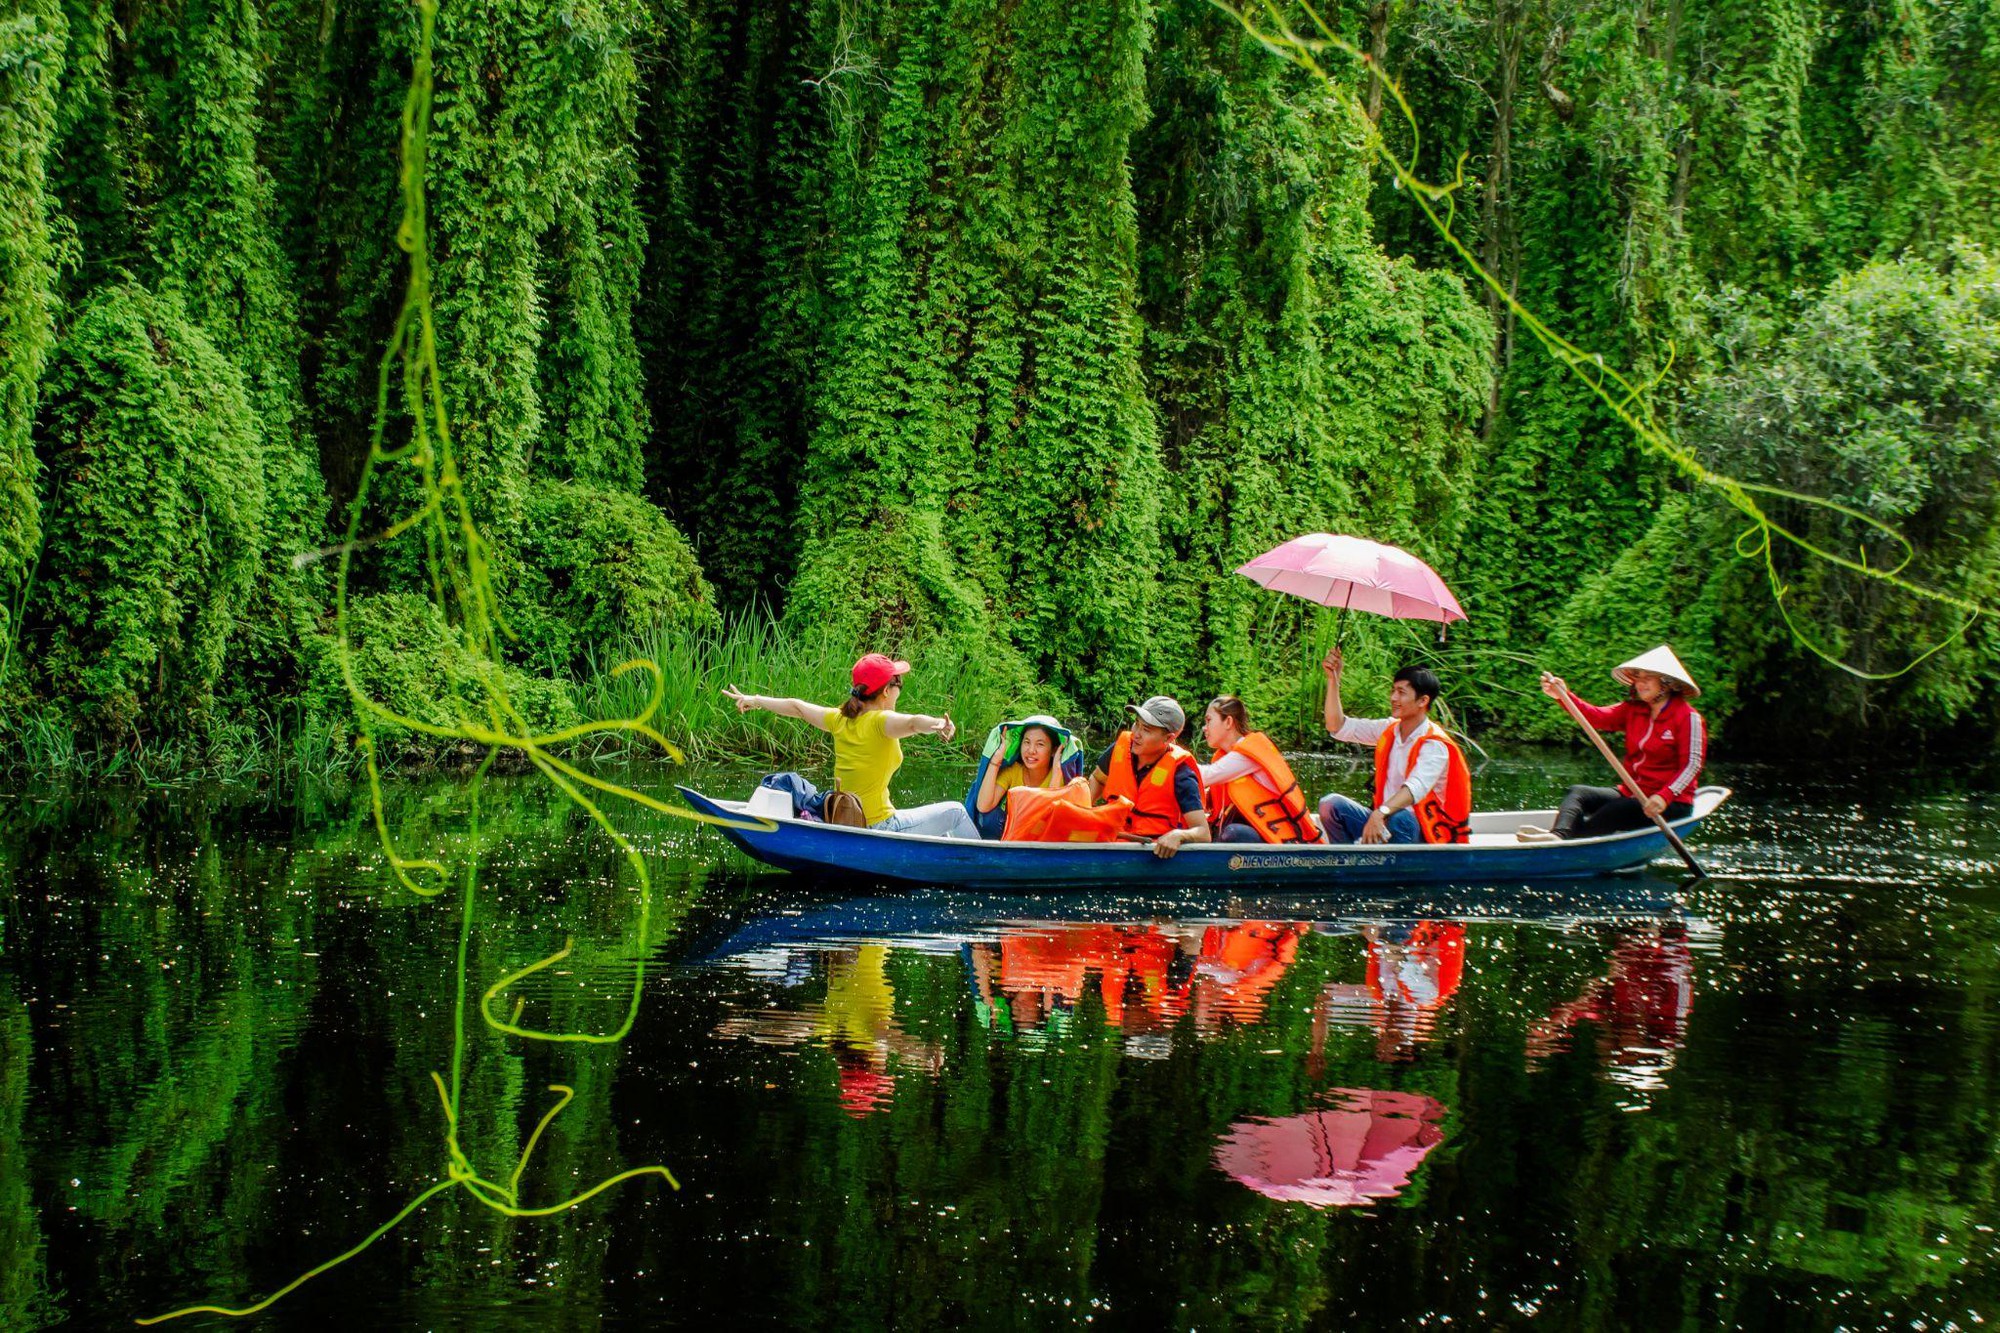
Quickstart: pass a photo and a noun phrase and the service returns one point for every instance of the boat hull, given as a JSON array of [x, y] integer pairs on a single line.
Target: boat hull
[[826, 849]]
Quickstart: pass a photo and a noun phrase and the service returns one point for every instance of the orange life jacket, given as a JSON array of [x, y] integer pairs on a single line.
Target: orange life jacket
[[1154, 807], [1064, 814], [1445, 813], [1280, 817]]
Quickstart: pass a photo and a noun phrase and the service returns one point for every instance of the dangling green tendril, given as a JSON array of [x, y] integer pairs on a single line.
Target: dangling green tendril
[[1630, 400], [457, 558]]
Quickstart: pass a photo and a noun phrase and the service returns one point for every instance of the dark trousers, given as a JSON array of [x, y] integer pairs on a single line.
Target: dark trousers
[[1589, 811]]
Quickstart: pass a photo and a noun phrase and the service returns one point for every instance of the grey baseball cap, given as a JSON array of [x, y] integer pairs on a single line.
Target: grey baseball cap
[[1161, 712]]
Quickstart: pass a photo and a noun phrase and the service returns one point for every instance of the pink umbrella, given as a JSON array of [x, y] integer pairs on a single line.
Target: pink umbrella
[[1355, 574], [1363, 1149]]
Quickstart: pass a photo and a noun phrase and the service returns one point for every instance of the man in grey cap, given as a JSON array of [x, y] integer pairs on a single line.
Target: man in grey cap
[[1162, 781]]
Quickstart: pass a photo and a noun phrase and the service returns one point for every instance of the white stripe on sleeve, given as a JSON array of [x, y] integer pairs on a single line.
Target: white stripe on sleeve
[[1697, 751]]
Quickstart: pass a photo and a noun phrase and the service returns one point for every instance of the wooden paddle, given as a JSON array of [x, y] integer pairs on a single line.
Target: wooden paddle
[[1605, 750]]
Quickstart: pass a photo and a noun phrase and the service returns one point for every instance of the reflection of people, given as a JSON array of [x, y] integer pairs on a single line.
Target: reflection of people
[[856, 1022], [1147, 977], [1666, 742], [1251, 792], [1412, 974], [1035, 972], [867, 745], [1237, 969], [1162, 780], [1423, 789], [1640, 1006]]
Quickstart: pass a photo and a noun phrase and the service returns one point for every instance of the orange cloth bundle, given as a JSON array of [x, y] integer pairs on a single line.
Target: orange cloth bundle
[[1065, 814]]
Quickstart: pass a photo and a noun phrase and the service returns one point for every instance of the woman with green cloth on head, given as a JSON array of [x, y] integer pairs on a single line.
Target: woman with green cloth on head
[[1036, 752], [867, 746]]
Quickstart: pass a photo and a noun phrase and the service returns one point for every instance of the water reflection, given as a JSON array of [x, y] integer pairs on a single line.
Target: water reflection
[[1638, 1009], [856, 1021], [1362, 1148], [1149, 984], [1413, 971], [1771, 1103]]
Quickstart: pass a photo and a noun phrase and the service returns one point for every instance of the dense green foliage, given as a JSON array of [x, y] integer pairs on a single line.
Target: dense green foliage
[[149, 437], [1881, 396], [991, 334], [1638, 174], [31, 56]]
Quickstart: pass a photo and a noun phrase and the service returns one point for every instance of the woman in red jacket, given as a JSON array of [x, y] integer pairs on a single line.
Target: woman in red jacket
[[1666, 742]]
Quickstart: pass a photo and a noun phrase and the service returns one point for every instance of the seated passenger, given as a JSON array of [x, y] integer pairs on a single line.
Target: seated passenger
[[1037, 753], [1423, 790], [1162, 781], [1252, 796], [867, 746], [1666, 742]]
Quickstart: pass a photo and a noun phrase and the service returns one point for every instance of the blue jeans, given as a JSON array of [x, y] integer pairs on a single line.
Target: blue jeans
[[1343, 820], [939, 819]]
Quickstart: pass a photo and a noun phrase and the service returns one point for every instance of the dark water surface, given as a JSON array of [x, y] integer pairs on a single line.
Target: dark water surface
[[1766, 1100]]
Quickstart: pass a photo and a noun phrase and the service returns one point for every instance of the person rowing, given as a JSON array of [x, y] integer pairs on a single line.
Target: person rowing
[[1147, 767], [1666, 744], [867, 745], [1252, 796], [1423, 789]]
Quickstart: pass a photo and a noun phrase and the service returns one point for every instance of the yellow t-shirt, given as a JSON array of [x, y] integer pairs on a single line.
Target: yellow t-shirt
[[1010, 777], [865, 757], [1016, 775]]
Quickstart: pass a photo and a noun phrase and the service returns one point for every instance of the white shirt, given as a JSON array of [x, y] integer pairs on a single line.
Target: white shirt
[[1232, 766], [1431, 763]]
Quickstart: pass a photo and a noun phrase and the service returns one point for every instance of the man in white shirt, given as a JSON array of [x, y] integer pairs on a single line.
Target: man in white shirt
[[1401, 786]]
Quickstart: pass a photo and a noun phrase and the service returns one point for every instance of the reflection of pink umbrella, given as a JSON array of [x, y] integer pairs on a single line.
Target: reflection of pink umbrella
[[1355, 575], [1365, 1148]]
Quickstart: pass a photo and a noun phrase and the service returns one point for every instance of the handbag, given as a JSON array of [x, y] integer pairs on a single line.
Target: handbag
[[843, 808]]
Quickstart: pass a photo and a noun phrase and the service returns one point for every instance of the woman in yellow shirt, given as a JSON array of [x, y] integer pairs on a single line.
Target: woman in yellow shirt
[[867, 746]]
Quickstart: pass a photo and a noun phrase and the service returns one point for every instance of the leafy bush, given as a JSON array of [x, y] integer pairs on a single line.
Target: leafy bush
[[599, 567], [407, 659], [1882, 395], [155, 516]]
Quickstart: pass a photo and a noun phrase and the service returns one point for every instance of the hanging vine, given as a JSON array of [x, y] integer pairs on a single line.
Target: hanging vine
[[1629, 399], [458, 557]]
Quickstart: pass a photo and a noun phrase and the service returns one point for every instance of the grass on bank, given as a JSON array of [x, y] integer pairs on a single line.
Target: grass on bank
[[761, 655], [750, 649]]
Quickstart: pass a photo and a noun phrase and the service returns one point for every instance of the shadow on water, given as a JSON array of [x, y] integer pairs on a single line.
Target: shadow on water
[[1765, 1098]]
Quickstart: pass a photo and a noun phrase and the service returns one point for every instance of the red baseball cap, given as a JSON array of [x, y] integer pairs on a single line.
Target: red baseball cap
[[876, 670]]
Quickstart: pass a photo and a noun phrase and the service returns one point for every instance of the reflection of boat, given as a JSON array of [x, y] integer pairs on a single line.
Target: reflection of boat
[[942, 921], [1491, 856], [1362, 1149]]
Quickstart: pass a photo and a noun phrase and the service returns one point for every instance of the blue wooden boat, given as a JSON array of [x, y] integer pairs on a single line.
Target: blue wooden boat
[[1492, 856]]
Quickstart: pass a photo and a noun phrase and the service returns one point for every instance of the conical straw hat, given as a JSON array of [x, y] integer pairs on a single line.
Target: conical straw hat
[[1661, 662]]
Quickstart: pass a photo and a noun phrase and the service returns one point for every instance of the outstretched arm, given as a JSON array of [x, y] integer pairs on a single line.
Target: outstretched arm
[[802, 709], [899, 725]]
